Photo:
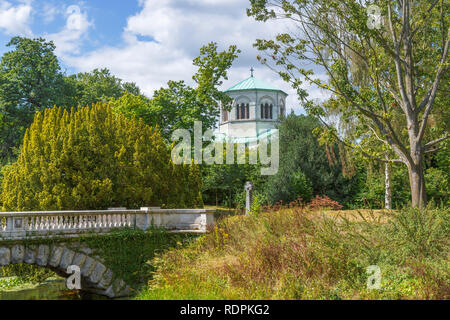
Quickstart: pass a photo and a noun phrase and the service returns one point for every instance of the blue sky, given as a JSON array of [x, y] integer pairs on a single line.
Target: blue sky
[[145, 41]]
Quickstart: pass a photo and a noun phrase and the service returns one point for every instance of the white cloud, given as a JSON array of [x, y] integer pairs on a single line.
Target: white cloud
[[180, 28], [148, 64], [68, 40], [15, 20], [49, 12]]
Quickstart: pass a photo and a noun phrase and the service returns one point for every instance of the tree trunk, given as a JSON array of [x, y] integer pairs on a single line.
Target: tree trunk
[[417, 182], [388, 186]]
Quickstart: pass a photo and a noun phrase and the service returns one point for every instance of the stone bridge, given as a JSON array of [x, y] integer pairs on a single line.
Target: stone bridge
[[16, 228]]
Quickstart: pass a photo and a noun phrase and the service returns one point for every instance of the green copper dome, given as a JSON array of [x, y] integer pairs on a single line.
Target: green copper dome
[[252, 83]]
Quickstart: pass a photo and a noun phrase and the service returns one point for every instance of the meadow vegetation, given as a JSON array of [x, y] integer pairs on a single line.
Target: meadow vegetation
[[295, 252]]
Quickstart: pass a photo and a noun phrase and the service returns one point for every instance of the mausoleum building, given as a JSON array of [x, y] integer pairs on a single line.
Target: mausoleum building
[[257, 108]]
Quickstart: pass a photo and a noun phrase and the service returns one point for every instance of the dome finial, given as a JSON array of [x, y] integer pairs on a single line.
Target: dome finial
[[251, 71]]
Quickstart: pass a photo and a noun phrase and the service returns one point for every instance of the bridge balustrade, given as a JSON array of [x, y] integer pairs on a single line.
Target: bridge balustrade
[[18, 225]]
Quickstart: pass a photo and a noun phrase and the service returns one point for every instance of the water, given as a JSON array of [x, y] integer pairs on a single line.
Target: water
[[54, 289]]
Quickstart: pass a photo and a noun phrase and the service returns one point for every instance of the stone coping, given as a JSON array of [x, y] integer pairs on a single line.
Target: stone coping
[[104, 212]]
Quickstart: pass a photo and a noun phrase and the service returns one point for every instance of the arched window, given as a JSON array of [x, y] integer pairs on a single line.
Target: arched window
[[242, 111], [266, 111]]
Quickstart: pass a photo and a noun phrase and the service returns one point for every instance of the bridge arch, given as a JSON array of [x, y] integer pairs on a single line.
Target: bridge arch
[[96, 277], [54, 239]]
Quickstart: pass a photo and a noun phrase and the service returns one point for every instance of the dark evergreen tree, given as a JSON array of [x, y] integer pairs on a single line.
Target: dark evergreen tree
[[306, 167]]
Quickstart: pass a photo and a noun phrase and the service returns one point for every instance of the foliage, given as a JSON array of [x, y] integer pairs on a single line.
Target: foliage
[[129, 252], [437, 175], [324, 203], [388, 82], [293, 253], [212, 70], [224, 183], [100, 86], [30, 80], [131, 105], [178, 105], [171, 108], [25, 273], [258, 202], [306, 168], [301, 185], [371, 192], [93, 159], [11, 282], [437, 185]]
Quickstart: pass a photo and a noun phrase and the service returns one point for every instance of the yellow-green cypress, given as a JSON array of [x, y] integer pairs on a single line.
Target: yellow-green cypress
[[91, 158]]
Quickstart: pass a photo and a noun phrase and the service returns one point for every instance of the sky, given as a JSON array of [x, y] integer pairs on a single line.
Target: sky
[[148, 42]]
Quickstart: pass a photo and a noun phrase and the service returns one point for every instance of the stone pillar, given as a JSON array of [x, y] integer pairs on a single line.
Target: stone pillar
[[248, 198], [15, 227], [144, 219]]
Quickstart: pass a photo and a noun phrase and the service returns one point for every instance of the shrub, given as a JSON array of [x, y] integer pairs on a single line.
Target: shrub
[[93, 159], [324, 202], [437, 183], [294, 253], [307, 168], [301, 185], [26, 273]]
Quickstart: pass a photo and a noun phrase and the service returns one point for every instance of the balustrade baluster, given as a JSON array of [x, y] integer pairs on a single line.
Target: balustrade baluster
[[32, 225], [27, 223], [99, 222], [41, 223], [58, 225], [65, 221]]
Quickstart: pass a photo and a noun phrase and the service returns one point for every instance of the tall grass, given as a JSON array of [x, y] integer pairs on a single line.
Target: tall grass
[[293, 253]]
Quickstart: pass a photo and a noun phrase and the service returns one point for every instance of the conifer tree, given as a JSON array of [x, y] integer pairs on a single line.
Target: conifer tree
[[94, 159]]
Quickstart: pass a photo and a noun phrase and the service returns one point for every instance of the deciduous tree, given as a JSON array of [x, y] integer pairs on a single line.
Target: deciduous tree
[[405, 62], [30, 80]]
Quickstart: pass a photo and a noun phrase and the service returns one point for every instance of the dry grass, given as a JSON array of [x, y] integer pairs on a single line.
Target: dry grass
[[294, 253]]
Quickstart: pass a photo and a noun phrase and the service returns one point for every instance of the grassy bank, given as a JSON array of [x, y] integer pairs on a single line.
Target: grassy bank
[[297, 254]]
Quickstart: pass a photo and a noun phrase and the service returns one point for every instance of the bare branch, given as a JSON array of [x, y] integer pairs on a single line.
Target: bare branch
[[362, 151], [434, 150], [429, 99], [432, 143]]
